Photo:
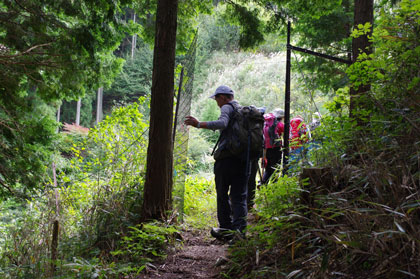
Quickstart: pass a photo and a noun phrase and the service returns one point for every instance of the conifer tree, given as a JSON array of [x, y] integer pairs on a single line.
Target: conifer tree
[[158, 185]]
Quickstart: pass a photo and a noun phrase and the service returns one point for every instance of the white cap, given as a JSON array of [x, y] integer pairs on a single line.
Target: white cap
[[278, 113]]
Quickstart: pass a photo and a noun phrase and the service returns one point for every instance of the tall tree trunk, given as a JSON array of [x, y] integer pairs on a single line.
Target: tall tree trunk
[[58, 117], [158, 185], [133, 39], [363, 13], [79, 105], [99, 114]]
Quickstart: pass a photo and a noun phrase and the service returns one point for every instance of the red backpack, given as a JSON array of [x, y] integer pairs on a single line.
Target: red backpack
[[298, 133], [272, 128]]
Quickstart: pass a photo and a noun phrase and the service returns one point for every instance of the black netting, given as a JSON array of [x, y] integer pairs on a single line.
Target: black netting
[[181, 135]]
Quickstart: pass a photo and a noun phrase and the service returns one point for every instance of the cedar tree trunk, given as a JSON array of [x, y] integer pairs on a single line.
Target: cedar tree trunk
[[363, 12], [158, 185]]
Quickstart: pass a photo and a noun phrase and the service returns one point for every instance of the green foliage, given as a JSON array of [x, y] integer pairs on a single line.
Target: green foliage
[[145, 242], [391, 68], [365, 212], [199, 150], [50, 51], [362, 29], [276, 197], [99, 197], [322, 26], [255, 78], [215, 33], [246, 17], [109, 167], [210, 112], [340, 103], [200, 202], [274, 202], [188, 12], [91, 268], [25, 237], [141, 245], [135, 80], [68, 110], [27, 129], [60, 49]]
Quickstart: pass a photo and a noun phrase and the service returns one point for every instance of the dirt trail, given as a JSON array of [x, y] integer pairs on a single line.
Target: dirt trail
[[200, 257]]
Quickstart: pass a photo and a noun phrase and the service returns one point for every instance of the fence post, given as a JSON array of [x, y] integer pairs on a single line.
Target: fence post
[[287, 105]]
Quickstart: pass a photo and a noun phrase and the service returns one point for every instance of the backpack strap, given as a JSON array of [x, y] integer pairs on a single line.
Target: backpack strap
[[220, 136], [217, 143], [272, 131]]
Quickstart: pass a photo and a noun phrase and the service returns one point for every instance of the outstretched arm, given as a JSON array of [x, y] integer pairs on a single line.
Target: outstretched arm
[[192, 121]]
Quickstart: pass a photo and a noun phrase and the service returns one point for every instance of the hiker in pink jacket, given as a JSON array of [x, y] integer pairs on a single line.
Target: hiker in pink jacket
[[273, 132]]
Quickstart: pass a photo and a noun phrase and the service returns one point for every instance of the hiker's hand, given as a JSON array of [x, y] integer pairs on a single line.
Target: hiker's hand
[[192, 121]]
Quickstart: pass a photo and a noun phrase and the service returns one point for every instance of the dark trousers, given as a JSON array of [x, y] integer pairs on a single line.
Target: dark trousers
[[252, 184], [231, 188], [273, 156]]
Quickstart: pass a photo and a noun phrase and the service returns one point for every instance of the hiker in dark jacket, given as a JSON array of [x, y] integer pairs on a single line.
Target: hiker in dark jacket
[[230, 171]]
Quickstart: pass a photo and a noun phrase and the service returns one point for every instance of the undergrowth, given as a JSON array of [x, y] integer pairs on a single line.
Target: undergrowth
[[96, 203], [361, 218], [200, 202]]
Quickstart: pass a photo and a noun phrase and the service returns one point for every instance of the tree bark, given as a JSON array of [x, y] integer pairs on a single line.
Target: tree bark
[[133, 39], [56, 226], [58, 118], [99, 101], [79, 105], [158, 185], [363, 12]]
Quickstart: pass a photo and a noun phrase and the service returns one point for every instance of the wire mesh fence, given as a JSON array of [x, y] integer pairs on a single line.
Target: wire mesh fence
[[180, 133]]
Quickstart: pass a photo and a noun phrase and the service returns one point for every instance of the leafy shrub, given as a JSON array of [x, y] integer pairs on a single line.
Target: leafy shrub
[[98, 198], [274, 198], [109, 170], [200, 202], [24, 251], [144, 243]]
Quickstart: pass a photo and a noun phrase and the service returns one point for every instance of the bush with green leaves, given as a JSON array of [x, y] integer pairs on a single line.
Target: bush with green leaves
[[276, 197], [274, 202], [109, 169], [26, 237], [97, 198], [199, 150], [27, 137], [200, 202], [143, 244], [134, 81]]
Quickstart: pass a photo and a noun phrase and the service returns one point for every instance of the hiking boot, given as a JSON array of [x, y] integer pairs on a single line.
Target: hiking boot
[[222, 233]]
